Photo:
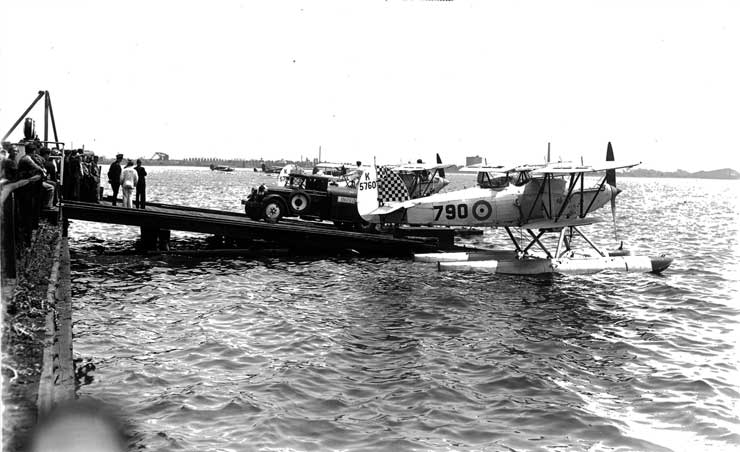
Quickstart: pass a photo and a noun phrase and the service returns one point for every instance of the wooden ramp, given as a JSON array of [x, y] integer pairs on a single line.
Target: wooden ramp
[[302, 235]]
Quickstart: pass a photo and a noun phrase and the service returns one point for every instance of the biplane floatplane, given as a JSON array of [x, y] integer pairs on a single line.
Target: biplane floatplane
[[538, 199], [422, 179]]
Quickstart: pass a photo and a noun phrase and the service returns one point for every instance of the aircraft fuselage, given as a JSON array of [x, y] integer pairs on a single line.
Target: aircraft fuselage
[[508, 206]]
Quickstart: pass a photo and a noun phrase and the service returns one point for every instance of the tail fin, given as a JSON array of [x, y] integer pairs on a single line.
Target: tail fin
[[264, 168], [367, 191], [380, 191], [391, 188]]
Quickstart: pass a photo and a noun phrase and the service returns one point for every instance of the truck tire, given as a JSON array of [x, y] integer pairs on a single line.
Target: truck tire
[[273, 210]]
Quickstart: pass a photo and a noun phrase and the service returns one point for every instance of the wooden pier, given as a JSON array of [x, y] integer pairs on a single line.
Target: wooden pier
[[301, 236]]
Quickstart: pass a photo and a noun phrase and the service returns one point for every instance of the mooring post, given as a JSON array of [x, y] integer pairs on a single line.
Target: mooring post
[[149, 238], [164, 239]]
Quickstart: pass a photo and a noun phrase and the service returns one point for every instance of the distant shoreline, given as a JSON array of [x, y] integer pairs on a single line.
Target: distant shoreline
[[724, 173]]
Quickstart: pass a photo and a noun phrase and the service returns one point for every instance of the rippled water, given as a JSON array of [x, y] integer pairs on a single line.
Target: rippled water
[[330, 353]]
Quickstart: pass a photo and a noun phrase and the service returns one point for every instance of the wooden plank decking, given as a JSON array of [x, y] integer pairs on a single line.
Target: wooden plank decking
[[297, 234]]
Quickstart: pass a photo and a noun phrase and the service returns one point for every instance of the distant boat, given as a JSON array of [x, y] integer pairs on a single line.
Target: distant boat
[[224, 168], [270, 169]]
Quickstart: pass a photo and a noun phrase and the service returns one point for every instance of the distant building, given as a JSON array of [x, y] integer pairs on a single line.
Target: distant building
[[473, 160]]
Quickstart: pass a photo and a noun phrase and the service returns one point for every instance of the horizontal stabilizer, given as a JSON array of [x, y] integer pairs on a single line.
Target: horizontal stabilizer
[[390, 208]]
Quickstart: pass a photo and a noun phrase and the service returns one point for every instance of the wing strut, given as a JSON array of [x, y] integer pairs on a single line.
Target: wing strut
[[537, 198], [573, 180], [590, 204]]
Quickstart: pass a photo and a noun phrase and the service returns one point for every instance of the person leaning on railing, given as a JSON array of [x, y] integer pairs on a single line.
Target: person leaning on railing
[[24, 183], [51, 175], [9, 168], [32, 164]]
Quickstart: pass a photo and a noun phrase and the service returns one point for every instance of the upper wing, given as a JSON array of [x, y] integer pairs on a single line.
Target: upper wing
[[480, 168], [410, 167], [568, 168]]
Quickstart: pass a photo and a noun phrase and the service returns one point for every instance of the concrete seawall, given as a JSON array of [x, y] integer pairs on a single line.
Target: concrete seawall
[[38, 368]]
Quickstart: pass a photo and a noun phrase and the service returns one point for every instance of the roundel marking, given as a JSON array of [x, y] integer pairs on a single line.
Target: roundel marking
[[482, 210]]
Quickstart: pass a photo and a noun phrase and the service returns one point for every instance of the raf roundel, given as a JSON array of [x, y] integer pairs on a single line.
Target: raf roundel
[[482, 210]]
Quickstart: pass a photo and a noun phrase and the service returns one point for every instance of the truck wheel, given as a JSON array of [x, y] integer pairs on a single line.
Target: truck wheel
[[273, 210]]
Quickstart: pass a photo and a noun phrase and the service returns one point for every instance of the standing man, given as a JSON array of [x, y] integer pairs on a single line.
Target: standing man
[[114, 176], [140, 186], [95, 173], [129, 178]]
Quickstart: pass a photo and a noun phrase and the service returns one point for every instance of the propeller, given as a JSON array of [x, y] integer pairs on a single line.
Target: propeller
[[441, 171], [611, 179]]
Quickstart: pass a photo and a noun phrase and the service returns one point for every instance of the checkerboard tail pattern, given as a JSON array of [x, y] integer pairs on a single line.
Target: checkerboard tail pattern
[[390, 187]]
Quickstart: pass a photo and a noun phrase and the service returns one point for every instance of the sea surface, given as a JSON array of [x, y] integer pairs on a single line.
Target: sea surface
[[363, 354]]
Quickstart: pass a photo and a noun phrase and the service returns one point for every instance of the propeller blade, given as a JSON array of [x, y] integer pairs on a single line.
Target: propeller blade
[[614, 212], [611, 179], [611, 175], [441, 171]]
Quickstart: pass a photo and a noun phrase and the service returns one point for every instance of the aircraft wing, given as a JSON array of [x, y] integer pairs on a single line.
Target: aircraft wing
[[562, 168], [478, 168], [603, 166], [550, 224], [422, 166]]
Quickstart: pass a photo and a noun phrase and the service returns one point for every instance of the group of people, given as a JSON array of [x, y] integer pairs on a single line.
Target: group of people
[[35, 161], [81, 176], [126, 179], [29, 168], [80, 168]]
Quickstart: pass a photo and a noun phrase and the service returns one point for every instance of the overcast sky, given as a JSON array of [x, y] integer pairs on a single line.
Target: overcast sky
[[398, 80]]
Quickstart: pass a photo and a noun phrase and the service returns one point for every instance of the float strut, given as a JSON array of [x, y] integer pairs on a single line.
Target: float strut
[[513, 239], [560, 243], [536, 239], [589, 241]]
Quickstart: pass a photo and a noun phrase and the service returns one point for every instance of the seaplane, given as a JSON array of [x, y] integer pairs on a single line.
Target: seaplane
[[549, 198], [270, 169], [224, 168], [422, 179]]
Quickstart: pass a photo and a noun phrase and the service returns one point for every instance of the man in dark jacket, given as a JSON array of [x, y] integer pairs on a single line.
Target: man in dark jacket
[[51, 175], [114, 176], [140, 186]]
